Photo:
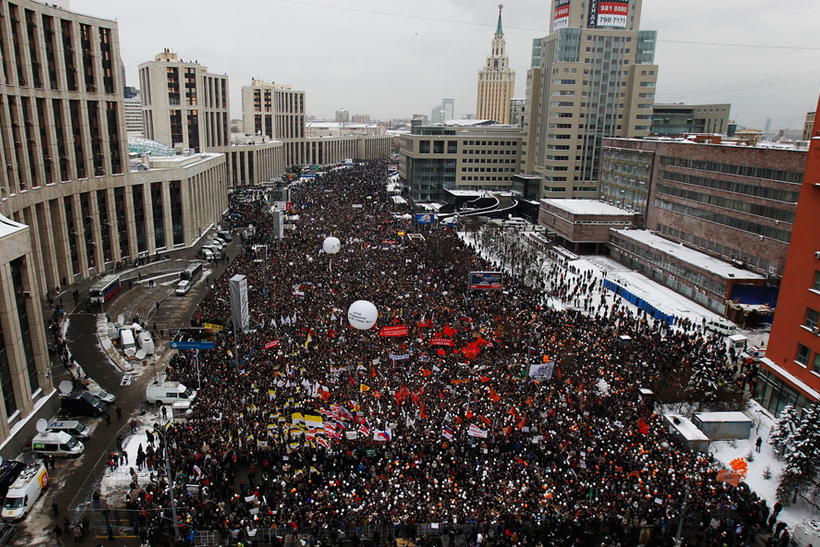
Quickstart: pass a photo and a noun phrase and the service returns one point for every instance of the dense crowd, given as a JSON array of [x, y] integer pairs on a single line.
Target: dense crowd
[[332, 428]]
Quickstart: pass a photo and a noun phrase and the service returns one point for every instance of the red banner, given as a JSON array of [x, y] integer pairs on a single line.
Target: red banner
[[399, 330], [271, 344], [441, 342]]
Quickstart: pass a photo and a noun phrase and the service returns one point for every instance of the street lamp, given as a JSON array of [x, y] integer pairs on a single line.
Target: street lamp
[[170, 481]]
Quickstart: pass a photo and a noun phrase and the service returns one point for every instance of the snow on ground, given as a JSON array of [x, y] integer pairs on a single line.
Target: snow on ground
[[115, 482], [726, 451]]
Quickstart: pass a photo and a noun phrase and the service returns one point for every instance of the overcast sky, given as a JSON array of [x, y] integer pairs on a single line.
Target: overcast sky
[[391, 66]]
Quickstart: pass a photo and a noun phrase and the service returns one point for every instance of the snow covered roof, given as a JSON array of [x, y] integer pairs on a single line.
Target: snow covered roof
[[8, 226], [724, 417], [586, 207], [685, 427], [690, 256]]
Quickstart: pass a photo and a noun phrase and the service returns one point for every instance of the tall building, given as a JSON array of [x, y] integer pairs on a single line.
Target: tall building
[[183, 104], [677, 120], [593, 77], [516, 108], [71, 206], [444, 112], [808, 126], [275, 110], [790, 372], [342, 116], [496, 81], [134, 122]]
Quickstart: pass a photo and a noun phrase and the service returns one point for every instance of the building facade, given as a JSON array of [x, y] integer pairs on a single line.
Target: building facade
[[134, 122], [496, 81], [183, 104], [342, 116], [733, 202], [443, 112], [790, 373], [277, 111], [516, 108], [808, 126], [477, 156], [678, 120], [593, 77]]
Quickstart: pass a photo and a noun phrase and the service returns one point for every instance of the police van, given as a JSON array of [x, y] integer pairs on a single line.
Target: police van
[[57, 443], [25, 491]]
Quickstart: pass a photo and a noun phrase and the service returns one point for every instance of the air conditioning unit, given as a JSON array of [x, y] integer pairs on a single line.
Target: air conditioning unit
[[816, 254], [26, 294]]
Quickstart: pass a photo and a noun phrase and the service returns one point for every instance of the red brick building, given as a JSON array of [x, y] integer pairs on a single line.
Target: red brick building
[[790, 373]]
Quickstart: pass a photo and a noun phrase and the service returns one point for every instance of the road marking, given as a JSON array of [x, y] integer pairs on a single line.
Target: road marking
[[126, 380]]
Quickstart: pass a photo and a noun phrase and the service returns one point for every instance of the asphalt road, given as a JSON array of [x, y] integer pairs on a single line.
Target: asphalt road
[[73, 481]]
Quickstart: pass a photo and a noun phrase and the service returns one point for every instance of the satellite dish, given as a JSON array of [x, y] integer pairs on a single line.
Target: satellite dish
[[120, 319], [65, 387], [41, 425]]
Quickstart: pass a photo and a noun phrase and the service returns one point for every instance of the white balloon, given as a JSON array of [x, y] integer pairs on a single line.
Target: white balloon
[[331, 245], [362, 314]]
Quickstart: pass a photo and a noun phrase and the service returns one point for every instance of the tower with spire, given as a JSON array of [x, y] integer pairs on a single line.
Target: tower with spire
[[496, 81]]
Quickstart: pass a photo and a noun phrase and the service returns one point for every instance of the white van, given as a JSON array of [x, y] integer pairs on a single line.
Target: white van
[[721, 326], [57, 443], [207, 254], [75, 428], [168, 393], [146, 343], [25, 491], [183, 287], [127, 341]]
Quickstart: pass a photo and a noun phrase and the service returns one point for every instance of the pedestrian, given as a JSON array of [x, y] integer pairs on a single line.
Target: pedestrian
[[58, 533], [119, 414], [78, 534], [50, 462], [107, 417], [777, 508], [133, 427], [110, 531], [758, 444], [55, 509]]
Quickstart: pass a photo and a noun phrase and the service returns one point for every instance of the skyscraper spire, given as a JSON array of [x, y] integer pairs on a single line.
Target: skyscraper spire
[[499, 30]]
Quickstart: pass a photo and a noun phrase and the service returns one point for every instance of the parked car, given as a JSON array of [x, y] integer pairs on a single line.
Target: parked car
[[107, 398]]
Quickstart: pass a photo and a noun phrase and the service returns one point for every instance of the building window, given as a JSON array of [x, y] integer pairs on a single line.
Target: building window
[[815, 367], [811, 318], [803, 355], [816, 285]]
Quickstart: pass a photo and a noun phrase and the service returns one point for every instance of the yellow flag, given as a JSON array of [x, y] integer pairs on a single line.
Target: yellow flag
[[363, 387]]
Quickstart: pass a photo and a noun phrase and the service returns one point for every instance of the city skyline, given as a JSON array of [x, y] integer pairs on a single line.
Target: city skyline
[[392, 66]]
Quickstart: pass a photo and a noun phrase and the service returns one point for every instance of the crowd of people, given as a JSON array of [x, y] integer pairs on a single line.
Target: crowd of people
[[485, 413]]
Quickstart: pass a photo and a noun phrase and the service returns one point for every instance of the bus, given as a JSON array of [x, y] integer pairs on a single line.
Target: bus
[[105, 289], [191, 273]]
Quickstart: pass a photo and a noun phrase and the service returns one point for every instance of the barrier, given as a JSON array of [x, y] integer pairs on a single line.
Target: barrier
[[642, 304]]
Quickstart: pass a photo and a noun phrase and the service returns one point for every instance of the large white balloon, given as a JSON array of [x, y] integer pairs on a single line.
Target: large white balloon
[[362, 314], [331, 245]]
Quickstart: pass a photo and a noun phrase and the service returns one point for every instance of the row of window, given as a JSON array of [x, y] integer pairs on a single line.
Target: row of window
[[739, 205], [756, 190], [731, 169]]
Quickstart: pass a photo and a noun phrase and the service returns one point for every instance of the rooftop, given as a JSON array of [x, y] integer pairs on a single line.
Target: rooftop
[[9, 227], [585, 207], [690, 256]]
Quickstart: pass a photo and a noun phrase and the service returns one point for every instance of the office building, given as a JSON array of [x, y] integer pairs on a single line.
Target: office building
[[679, 120], [360, 118], [183, 104], [342, 116], [516, 108], [496, 81], [459, 155], [593, 77], [733, 202], [790, 372], [134, 121]]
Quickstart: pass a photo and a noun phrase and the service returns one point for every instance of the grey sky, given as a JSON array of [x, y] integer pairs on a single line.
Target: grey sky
[[392, 67]]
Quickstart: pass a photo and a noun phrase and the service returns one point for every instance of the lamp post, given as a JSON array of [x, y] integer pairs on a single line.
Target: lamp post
[[170, 481]]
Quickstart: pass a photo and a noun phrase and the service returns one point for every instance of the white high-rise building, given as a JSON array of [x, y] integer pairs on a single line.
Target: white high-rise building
[[496, 81]]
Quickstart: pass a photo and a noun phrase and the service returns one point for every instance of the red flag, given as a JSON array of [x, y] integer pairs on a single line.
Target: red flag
[[494, 396], [642, 427], [441, 352], [448, 331], [507, 430], [636, 474], [521, 423], [486, 420], [468, 415], [485, 379]]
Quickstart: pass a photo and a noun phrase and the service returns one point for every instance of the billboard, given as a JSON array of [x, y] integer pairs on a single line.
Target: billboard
[[608, 13], [486, 280], [425, 218], [560, 17], [239, 302], [192, 338]]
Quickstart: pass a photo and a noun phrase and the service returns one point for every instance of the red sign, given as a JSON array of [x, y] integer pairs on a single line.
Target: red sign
[[399, 330], [271, 344], [441, 342]]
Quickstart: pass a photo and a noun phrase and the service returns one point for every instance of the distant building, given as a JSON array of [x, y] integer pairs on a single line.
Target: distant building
[[460, 155], [360, 118], [808, 127], [751, 136], [729, 201], [275, 110], [678, 120], [582, 223], [443, 112], [342, 116], [790, 372], [183, 104], [496, 81], [334, 129], [592, 77], [134, 123]]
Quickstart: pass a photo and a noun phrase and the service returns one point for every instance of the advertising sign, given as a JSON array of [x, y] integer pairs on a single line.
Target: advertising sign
[[486, 280], [192, 338], [398, 330], [608, 13], [425, 218], [560, 17], [212, 326], [239, 302]]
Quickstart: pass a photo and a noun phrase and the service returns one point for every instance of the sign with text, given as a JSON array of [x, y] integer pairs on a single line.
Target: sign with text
[[608, 13], [560, 17], [486, 280], [213, 326], [192, 338], [397, 330], [425, 218]]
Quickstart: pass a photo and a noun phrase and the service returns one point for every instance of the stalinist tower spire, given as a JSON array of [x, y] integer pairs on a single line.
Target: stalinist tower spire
[[496, 81]]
